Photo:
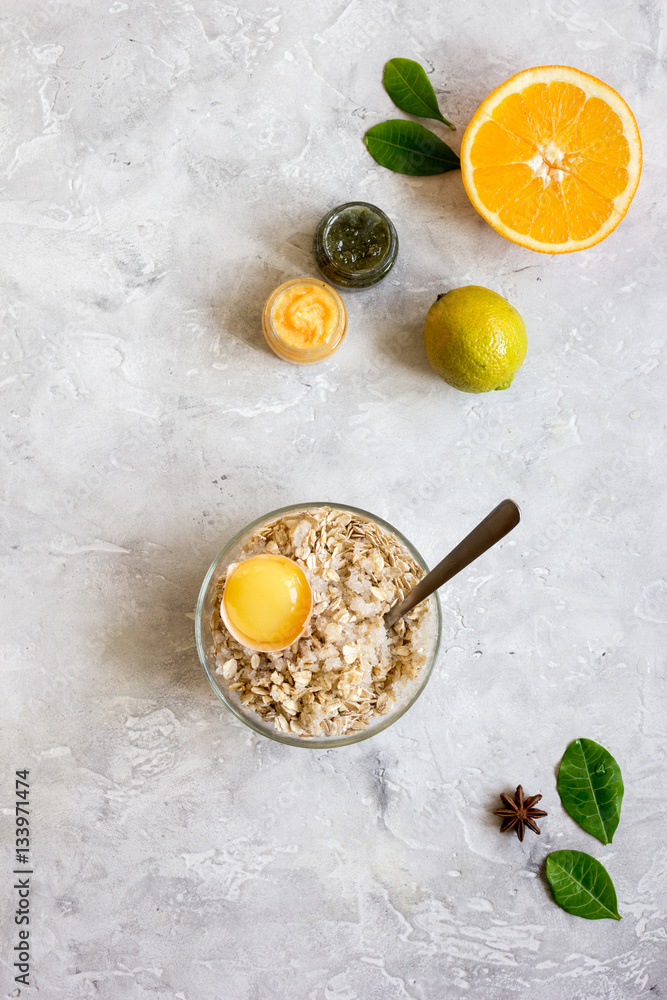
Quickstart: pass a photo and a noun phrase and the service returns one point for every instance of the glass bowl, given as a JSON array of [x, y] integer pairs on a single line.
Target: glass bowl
[[206, 651]]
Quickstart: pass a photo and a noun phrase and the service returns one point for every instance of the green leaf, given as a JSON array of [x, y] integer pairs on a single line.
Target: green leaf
[[410, 89], [409, 148], [591, 788], [581, 885]]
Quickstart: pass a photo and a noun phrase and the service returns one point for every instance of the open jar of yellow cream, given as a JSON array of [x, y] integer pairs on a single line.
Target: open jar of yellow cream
[[304, 320]]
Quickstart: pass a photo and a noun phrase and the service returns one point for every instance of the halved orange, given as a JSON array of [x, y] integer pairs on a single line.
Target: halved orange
[[552, 158]]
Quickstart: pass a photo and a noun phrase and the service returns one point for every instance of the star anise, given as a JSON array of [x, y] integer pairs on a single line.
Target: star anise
[[519, 812]]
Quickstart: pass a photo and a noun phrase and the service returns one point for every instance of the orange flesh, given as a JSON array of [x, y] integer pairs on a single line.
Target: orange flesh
[[304, 316], [551, 161]]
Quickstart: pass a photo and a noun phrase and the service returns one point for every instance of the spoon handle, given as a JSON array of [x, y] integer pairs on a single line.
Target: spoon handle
[[495, 526]]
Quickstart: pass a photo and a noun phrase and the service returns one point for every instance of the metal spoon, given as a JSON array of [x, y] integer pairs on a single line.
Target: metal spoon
[[495, 526]]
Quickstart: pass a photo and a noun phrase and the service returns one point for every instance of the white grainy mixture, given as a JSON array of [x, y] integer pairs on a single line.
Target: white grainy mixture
[[346, 668]]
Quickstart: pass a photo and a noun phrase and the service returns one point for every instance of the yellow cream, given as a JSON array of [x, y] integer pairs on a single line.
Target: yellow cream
[[267, 600], [305, 316]]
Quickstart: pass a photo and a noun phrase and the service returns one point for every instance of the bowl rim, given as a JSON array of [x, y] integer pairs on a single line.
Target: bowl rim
[[291, 739]]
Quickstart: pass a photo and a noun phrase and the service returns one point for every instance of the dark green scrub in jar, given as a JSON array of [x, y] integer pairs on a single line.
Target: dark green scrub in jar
[[355, 245]]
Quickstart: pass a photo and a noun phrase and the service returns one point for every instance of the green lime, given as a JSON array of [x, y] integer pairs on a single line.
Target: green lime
[[475, 340]]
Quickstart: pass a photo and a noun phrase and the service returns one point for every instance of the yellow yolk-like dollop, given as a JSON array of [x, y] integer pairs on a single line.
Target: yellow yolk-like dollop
[[267, 600], [304, 316]]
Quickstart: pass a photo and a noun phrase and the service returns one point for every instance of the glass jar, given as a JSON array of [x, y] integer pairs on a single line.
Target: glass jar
[[355, 245], [304, 320]]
